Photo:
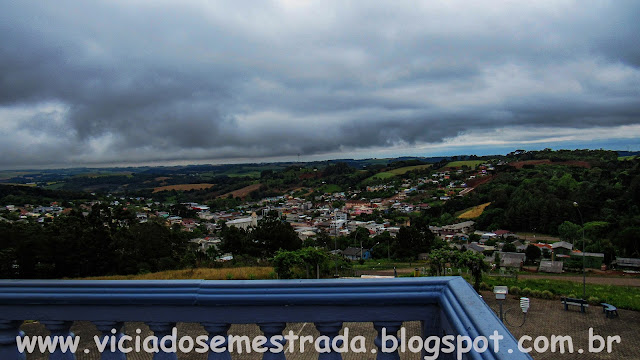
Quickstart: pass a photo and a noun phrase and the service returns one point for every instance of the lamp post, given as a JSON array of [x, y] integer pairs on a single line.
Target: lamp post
[[584, 278]]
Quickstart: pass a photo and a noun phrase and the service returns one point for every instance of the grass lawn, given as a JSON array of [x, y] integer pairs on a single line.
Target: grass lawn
[[625, 297], [385, 264], [630, 157]]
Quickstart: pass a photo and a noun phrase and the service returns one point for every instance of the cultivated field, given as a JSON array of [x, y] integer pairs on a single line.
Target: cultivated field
[[241, 193], [474, 212]]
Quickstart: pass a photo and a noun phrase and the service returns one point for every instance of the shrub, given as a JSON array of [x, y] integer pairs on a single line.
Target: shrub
[[229, 276], [547, 295], [536, 293], [593, 300], [526, 291], [514, 290], [484, 286]]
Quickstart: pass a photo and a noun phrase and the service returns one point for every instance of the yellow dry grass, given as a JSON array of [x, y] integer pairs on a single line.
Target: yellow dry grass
[[183, 187], [474, 212], [239, 273], [241, 193]]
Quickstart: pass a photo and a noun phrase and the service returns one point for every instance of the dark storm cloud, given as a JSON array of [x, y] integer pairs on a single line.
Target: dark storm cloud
[[117, 81]]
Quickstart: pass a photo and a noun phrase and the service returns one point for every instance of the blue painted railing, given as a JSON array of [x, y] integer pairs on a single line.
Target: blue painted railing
[[444, 305]]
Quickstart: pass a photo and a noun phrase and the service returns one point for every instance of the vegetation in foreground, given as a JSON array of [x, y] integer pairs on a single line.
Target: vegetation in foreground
[[624, 297], [239, 273]]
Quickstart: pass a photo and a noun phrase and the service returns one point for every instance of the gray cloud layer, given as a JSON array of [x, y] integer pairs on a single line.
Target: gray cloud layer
[[115, 81]]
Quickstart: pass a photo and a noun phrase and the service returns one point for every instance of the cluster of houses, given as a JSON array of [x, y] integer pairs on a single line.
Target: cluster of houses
[[310, 218], [37, 213]]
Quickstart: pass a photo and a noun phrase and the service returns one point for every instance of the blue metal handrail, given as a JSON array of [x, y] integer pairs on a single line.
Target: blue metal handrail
[[445, 305]]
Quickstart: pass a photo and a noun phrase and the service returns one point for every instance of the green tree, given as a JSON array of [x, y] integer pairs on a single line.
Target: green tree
[[509, 247], [313, 258], [284, 262], [532, 253], [569, 231], [475, 263], [410, 242], [273, 234]]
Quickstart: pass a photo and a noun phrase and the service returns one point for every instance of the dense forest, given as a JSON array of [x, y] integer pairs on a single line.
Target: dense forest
[[102, 243]]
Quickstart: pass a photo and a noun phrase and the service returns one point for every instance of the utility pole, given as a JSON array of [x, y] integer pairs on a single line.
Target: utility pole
[[335, 240], [584, 276]]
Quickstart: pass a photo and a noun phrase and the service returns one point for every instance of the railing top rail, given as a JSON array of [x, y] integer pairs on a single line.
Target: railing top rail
[[224, 292], [259, 301]]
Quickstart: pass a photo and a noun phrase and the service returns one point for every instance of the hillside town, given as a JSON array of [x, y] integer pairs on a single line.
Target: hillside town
[[342, 213]]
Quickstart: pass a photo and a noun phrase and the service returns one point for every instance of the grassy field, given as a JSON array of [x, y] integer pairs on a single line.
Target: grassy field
[[384, 264], [329, 188], [473, 212], [470, 163], [406, 169], [631, 157], [54, 185], [183, 187], [383, 175], [625, 297], [241, 273], [98, 174], [398, 171]]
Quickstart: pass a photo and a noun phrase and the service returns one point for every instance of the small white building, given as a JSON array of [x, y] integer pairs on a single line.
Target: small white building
[[244, 223]]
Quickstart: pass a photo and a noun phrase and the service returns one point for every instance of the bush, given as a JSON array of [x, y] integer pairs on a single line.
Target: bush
[[536, 293], [547, 295], [526, 291], [514, 290], [484, 286], [593, 300]]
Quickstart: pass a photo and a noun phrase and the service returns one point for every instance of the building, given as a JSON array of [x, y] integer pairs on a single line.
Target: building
[[512, 260], [627, 263], [549, 266], [353, 253], [244, 223], [463, 227], [562, 248]]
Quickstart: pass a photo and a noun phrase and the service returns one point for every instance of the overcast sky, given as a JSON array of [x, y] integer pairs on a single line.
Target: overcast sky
[[106, 82]]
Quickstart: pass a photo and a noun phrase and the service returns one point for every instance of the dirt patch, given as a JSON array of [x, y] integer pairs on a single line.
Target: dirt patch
[[479, 181], [520, 164], [242, 193], [183, 187]]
